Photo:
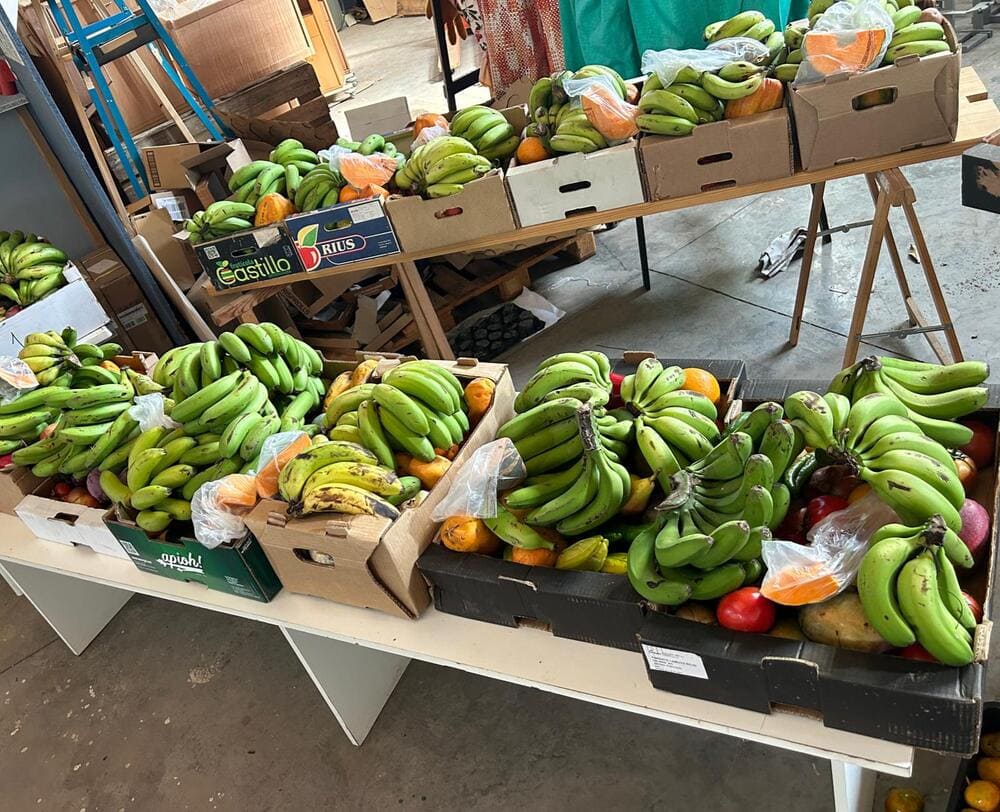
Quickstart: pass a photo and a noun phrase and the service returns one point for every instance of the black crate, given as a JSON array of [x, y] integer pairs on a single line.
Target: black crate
[[967, 767]]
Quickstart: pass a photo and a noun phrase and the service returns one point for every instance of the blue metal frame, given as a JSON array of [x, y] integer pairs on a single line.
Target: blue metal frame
[[86, 38]]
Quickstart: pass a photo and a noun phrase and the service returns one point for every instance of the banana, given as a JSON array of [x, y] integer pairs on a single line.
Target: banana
[[891, 425], [115, 489], [943, 406], [235, 346], [547, 438], [876, 583], [905, 17], [739, 71], [551, 378], [657, 124], [204, 454], [920, 603], [921, 48], [778, 445], [572, 143], [722, 89], [430, 391], [917, 32], [373, 435], [347, 401], [515, 532], [610, 496], [251, 446], [674, 550], [668, 380], [657, 453], [684, 399], [95, 414], [118, 458], [572, 500], [736, 26], [141, 470], [727, 460], [538, 490], [760, 31], [664, 102], [951, 590], [689, 441], [197, 404], [913, 499], [712, 584], [248, 395], [343, 498], [942, 476], [555, 457], [935, 379], [946, 432], [373, 478], [401, 407], [294, 475], [644, 577]]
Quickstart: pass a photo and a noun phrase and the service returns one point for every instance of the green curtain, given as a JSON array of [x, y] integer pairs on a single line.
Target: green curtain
[[616, 32]]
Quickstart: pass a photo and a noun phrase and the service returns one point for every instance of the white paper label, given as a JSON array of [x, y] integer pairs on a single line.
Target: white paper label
[[366, 211], [676, 662], [266, 236]]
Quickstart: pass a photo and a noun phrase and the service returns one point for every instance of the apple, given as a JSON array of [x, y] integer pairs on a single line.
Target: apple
[[916, 652], [698, 612], [13, 311], [6, 459], [793, 527], [61, 490], [966, 467], [975, 527], [822, 506], [983, 444], [975, 606]]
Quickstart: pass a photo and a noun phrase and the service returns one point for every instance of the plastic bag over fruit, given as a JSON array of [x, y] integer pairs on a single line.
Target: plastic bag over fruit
[[275, 453], [428, 134], [608, 112], [367, 170], [16, 378], [798, 574], [218, 508], [150, 412], [850, 36], [494, 467], [667, 64]]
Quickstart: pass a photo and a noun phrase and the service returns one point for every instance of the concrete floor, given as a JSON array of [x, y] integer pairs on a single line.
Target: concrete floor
[[175, 708]]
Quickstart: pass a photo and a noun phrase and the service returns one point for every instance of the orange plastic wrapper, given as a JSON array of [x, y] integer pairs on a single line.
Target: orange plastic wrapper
[[797, 585], [367, 170], [267, 476], [612, 116]]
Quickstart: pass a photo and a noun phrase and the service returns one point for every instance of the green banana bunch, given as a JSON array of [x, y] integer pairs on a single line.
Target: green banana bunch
[[738, 26], [317, 188], [487, 130], [291, 152], [442, 166], [30, 267], [910, 592], [913, 38], [223, 217], [934, 395]]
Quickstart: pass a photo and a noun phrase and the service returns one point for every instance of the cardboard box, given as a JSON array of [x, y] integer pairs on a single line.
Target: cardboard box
[[381, 118], [718, 155], [915, 703], [176, 166], [249, 256], [342, 234], [481, 209], [158, 228], [237, 568], [15, 484], [66, 523], [72, 305], [560, 187], [981, 175], [209, 36], [137, 324], [374, 559], [921, 109], [594, 607]]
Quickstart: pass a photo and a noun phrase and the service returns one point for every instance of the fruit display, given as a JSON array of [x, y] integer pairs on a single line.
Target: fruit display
[[372, 145], [30, 269], [933, 396], [220, 219], [561, 126], [487, 130], [442, 167], [389, 440]]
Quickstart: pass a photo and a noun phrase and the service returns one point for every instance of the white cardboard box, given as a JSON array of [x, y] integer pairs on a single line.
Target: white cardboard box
[[576, 183], [69, 524], [73, 305]]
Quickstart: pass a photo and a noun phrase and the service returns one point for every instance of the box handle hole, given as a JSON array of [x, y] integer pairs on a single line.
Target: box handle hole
[[336, 226], [718, 158], [719, 184], [584, 210], [875, 98], [240, 253], [575, 186], [65, 518], [314, 557], [454, 211]]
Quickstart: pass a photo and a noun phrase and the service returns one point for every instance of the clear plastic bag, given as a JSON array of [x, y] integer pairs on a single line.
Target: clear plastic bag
[[218, 508], [667, 64], [16, 378], [494, 467], [609, 113], [428, 134], [367, 170], [149, 411], [851, 36], [798, 574], [276, 452], [333, 155]]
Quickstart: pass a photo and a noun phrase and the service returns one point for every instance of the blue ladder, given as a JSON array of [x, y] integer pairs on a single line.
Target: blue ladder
[[94, 46]]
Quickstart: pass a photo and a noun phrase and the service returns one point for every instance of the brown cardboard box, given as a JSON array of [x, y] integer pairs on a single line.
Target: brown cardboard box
[[138, 326], [921, 109], [158, 229], [717, 155], [374, 560], [67, 523], [481, 209], [378, 118], [210, 38], [15, 484], [175, 166]]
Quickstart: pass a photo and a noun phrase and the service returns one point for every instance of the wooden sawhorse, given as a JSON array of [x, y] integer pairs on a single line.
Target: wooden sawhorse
[[889, 189]]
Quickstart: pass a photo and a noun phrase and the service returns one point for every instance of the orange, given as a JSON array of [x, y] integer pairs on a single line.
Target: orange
[[348, 193], [989, 769], [860, 492], [539, 557], [429, 120], [904, 799], [532, 149], [700, 380], [983, 796]]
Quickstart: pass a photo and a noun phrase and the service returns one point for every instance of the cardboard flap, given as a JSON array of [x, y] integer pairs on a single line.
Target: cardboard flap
[[350, 541]]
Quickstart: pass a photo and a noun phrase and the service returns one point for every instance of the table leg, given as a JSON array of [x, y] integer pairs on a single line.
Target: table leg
[[640, 233], [354, 680], [432, 336], [853, 787], [879, 224], [77, 610], [808, 249], [897, 263]]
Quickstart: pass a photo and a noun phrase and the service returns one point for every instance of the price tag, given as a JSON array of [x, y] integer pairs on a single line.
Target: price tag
[[675, 662]]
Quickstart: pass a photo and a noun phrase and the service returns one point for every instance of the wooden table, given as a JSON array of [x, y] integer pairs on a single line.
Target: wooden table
[[355, 657], [978, 118]]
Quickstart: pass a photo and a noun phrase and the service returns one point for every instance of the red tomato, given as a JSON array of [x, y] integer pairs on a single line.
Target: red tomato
[[61, 489], [746, 610], [916, 652], [616, 383], [983, 443], [822, 506], [6, 460], [975, 606]]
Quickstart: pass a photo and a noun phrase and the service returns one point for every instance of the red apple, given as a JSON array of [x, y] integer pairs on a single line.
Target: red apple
[[916, 652], [746, 610], [983, 444], [975, 606], [61, 490], [13, 311], [6, 459], [975, 527], [75, 494], [966, 467], [793, 527], [822, 506]]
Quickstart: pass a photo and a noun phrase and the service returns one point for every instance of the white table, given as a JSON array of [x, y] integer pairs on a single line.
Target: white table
[[356, 656]]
